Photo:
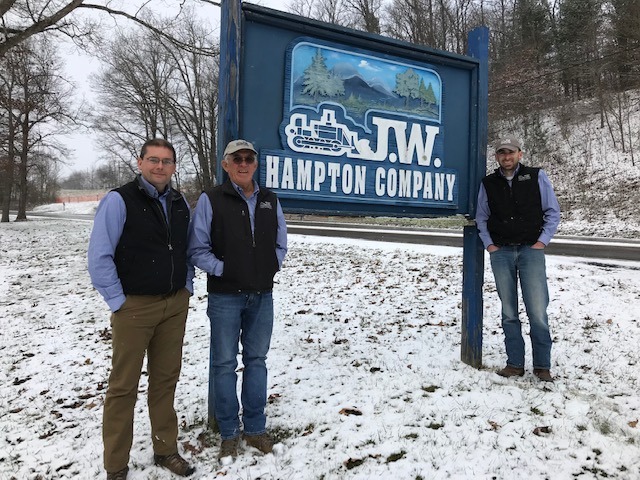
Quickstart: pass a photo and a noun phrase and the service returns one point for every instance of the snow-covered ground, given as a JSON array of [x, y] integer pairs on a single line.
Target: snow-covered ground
[[365, 377]]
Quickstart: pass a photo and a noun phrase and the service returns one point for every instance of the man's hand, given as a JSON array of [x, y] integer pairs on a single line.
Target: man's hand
[[538, 246], [492, 248]]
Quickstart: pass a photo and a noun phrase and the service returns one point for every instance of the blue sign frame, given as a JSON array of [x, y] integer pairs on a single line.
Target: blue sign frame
[[409, 141], [352, 123]]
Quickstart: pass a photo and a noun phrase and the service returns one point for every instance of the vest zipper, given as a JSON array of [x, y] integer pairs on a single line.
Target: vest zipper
[[170, 247], [248, 217]]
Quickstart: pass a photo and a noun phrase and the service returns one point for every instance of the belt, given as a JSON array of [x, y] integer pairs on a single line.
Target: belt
[[170, 294]]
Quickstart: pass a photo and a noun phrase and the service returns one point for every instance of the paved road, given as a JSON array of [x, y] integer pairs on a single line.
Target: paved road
[[561, 245], [585, 247]]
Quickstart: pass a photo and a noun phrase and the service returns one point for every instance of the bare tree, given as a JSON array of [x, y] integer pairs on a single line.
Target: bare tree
[[22, 19], [330, 11], [304, 8], [133, 98], [150, 88], [417, 21], [366, 14], [34, 100], [10, 130], [43, 179], [194, 97]]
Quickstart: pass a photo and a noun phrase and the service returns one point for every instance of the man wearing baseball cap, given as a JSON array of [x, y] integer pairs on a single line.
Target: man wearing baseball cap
[[517, 215], [239, 238]]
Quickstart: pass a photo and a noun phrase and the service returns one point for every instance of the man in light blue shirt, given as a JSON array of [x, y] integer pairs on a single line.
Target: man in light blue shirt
[[138, 263], [517, 215], [239, 238]]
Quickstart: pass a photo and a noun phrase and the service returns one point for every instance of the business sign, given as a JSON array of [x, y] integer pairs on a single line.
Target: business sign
[[353, 123]]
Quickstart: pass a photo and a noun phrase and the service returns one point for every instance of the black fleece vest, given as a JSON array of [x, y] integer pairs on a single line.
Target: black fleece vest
[[151, 256], [516, 211], [250, 261]]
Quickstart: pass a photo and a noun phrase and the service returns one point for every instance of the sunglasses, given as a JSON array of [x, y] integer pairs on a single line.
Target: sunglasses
[[248, 159]]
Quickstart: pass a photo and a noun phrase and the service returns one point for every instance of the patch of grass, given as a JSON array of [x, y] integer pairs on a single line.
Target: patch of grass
[[604, 427], [353, 463], [435, 426], [430, 388], [412, 436], [537, 411], [581, 428], [590, 323], [394, 457], [597, 472], [188, 426], [280, 434]]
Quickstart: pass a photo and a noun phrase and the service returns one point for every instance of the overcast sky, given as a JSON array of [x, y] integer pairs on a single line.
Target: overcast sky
[[80, 66]]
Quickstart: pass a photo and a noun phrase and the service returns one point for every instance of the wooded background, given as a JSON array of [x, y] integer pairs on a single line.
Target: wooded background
[[550, 61]]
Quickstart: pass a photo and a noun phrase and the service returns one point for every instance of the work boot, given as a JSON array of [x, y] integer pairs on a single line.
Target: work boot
[[119, 475], [543, 374], [510, 371], [229, 448], [174, 463], [262, 442]]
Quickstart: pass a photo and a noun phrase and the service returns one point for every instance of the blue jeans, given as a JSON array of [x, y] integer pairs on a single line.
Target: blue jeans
[[245, 318], [508, 263]]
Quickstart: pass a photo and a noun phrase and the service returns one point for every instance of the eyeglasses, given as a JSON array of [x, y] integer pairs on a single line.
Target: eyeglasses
[[248, 159], [164, 161]]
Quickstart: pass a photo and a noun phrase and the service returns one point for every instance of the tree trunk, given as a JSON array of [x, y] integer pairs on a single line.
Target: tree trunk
[[22, 172], [8, 169], [7, 184]]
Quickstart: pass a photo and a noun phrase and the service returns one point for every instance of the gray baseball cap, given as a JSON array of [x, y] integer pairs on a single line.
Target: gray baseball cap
[[508, 142], [235, 145]]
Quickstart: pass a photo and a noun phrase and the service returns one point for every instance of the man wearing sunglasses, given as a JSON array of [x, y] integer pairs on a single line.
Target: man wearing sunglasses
[[138, 263], [239, 238], [517, 216]]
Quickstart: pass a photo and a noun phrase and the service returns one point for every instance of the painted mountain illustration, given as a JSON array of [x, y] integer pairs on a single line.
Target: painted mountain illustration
[[344, 84]]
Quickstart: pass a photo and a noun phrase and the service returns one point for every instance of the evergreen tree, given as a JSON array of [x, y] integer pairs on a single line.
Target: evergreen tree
[[427, 95], [319, 81]]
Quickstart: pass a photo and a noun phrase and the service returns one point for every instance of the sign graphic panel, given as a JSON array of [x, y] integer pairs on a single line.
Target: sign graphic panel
[[360, 128]]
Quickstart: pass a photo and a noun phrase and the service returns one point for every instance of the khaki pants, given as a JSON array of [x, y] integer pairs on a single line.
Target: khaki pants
[[154, 324]]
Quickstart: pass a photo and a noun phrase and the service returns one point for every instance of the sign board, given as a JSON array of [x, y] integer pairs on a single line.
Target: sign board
[[353, 123], [348, 122]]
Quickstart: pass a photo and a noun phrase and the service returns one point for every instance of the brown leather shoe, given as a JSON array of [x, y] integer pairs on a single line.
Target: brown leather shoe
[[510, 371], [543, 374], [174, 463], [119, 475], [262, 442]]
